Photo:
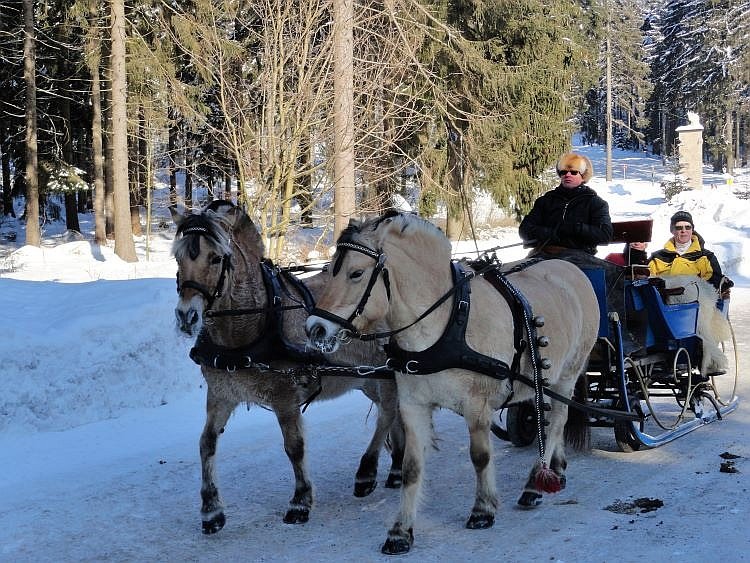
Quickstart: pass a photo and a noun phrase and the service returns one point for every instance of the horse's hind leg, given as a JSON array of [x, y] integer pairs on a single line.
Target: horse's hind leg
[[485, 503], [290, 422], [417, 420], [388, 422], [212, 509]]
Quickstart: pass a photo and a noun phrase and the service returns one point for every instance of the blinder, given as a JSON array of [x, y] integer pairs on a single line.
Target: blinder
[[379, 269]]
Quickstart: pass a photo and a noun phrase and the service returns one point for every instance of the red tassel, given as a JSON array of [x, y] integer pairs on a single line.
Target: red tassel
[[547, 481]]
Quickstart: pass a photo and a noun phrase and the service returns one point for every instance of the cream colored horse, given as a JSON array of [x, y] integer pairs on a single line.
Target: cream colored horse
[[251, 347], [393, 269]]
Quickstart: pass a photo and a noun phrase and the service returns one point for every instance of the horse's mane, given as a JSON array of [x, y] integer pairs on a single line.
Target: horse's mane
[[194, 227], [407, 224]]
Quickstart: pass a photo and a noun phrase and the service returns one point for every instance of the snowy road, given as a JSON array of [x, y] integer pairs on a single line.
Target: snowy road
[[127, 490]]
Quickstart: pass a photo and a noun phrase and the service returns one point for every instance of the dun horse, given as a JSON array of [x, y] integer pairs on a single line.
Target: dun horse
[[249, 317], [397, 269]]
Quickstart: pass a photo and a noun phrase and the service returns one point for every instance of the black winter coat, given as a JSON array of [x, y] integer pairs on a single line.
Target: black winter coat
[[571, 218]]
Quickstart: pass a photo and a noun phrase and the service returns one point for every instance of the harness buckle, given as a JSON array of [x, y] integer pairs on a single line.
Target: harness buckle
[[408, 366]]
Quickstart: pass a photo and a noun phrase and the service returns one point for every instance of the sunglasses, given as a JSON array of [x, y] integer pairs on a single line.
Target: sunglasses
[[683, 228], [564, 172]]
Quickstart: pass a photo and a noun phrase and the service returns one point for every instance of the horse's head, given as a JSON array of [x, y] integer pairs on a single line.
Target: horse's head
[[357, 295], [203, 250]]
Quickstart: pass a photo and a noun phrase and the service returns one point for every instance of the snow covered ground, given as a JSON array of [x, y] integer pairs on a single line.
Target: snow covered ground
[[101, 410]]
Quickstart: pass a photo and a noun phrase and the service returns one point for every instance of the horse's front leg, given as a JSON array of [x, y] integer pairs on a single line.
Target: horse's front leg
[[218, 412], [388, 423], [548, 474], [290, 422], [485, 502], [417, 421]]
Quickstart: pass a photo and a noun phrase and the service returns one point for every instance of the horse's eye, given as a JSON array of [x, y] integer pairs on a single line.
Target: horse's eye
[[356, 274], [216, 260]]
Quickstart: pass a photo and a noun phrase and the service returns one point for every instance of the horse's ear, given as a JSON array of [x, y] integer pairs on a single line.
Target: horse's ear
[[178, 213], [233, 216]]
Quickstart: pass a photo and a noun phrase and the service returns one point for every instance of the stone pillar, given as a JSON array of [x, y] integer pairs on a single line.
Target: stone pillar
[[691, 151]]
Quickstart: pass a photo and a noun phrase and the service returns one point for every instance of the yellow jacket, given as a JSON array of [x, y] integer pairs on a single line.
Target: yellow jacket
[[696, 261]]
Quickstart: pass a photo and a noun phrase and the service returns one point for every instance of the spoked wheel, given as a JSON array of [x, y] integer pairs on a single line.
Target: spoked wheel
[[498, 425], [521, 423], [725, 385]]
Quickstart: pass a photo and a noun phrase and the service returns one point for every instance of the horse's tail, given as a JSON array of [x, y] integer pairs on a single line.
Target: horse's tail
[[577, 430]]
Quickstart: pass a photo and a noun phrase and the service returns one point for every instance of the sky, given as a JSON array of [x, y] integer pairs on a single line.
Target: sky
[[101, 411]]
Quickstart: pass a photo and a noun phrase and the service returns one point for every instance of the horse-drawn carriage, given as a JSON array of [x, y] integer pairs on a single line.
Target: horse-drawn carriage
[[650, 370], [480, 347]]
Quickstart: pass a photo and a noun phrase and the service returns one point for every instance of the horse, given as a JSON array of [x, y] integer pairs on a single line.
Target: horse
[[248, 316], [396, 269]]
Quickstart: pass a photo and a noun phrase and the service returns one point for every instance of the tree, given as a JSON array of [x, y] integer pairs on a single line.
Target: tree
[[33, 233], [343, 114], [124, 245], [699, 61]]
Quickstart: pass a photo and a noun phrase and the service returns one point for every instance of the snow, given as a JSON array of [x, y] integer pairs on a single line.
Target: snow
[[101, 411]]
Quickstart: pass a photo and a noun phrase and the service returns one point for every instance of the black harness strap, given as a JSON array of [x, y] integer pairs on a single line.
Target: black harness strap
[[451, 349], [271, 344]]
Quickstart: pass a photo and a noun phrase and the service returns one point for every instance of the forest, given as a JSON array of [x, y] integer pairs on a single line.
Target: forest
[[334, 106]]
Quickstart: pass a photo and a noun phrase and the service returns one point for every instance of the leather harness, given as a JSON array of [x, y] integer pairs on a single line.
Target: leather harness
[[271, 344], [451, 349]]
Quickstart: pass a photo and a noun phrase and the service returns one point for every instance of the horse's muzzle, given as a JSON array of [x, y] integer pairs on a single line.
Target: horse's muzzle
[[188, 321], [322, 334]]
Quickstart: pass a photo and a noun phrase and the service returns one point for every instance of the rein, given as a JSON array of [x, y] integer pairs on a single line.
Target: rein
[[380, 257]]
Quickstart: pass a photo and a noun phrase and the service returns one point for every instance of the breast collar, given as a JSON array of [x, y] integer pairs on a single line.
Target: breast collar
[[451, 349], [271, 344]]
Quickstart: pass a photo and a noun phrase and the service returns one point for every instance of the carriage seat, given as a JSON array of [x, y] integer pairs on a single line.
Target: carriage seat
[[666, 321]]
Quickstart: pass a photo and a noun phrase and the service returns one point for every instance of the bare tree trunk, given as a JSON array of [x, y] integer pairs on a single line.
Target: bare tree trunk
[[124, 245], [4, 146], [608, 79], [728, 135], [100, 232], [133, 189], [188, 188], [71, 202], [343, 115], [457, 224], [172, 150], [33, 234]]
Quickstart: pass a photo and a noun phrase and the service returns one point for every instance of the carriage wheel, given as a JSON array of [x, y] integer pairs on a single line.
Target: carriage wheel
[[725, 385], [521, 423], [497, 425]]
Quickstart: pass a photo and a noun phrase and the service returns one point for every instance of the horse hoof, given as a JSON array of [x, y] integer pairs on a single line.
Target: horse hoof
[[364, 489], [215, 524], [394, 481], [399, 541], [480, 521], [297, 516], [563, 481], [396, 546], [530, 500]]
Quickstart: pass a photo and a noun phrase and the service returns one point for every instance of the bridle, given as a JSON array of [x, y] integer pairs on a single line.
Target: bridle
[[379, 257], [379, 269], [208, 294]]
